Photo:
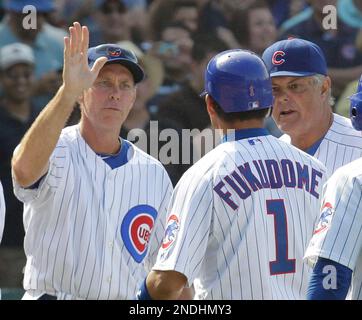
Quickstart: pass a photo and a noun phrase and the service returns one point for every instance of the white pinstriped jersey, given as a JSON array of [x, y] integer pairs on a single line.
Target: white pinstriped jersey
[[341, 145], [241, 218], [87, 225], [338, 236], [2, 211]]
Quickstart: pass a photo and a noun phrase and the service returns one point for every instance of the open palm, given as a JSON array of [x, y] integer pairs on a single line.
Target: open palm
[[77, 76]]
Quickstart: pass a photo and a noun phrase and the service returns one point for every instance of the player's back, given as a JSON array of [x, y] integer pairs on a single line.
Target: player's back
[[266, 200]]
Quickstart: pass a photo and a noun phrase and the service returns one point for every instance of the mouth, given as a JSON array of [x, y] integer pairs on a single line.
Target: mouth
[[113, 108], [286, 113]]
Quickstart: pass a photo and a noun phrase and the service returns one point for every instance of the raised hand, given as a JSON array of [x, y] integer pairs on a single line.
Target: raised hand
[[77, 76]]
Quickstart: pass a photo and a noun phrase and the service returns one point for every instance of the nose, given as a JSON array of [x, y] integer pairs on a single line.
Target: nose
[[115, 94], [282, 96]]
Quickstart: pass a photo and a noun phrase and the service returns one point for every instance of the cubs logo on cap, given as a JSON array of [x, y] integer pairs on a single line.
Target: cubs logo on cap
[[325, 218], [276, 60], [172, 228], [136, 230], [114, 52]]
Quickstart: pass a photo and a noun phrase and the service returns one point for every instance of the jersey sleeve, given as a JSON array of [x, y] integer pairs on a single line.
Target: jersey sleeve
[[338, 235], [159, 228], [2, 211], [58, 163], [187, 228], [317, 289]]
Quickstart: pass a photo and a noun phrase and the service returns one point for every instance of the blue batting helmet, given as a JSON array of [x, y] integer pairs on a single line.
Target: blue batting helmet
[[355, 109], [238, 80]]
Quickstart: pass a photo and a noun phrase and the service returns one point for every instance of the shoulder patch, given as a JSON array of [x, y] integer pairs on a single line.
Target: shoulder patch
[[172, 228], [325, 218]]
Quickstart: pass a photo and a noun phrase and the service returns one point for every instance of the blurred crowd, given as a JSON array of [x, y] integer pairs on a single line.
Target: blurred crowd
[[173, 40]]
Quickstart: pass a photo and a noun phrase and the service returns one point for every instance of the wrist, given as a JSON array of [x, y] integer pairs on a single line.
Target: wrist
[[143, 293], [68, 95]]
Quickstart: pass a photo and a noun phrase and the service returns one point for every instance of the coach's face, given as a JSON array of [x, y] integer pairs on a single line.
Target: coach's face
[[107, 103], [299, 104]]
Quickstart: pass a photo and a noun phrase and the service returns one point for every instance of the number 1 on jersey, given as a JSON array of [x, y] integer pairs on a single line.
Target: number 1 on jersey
[[281, 264]]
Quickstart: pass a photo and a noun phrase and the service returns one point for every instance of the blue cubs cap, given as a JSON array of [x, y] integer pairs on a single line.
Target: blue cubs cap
[[18, 5], [294, 58], [115, 54]]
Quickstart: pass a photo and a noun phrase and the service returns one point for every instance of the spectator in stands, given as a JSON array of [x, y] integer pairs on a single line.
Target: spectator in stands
[[283, 10], [185, 108], [186, 12], [343, 59], [17, 76], [164, 12], [46, 41], [112, 22], [137, 127], [174, 50], [141, 114], [350, 12], [215, 17], [254, 29]]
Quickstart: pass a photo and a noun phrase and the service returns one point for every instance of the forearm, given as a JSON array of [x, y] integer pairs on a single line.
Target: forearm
[[165, 285], [30, 161]]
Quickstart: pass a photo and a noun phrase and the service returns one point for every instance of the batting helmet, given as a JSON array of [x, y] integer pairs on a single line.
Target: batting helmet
[[355, 109], [238, 81]]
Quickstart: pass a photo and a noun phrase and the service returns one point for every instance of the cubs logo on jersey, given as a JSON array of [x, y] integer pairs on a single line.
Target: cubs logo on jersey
[[325, 218], [173, 225], [136, 230]]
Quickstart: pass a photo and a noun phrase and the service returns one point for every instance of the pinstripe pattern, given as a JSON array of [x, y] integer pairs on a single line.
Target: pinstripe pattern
[[341, 241], [73, 239], [341, 145], [2, 211], [226, 252]]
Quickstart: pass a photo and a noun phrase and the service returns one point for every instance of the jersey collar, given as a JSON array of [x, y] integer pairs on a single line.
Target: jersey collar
[[119, 159], [244, 134], [314, 147]]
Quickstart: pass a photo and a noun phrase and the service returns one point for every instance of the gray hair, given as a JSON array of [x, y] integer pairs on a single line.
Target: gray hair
[[319, 79]]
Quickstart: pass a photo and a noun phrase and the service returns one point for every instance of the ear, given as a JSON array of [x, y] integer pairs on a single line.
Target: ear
[[326, 85], [210, 106]]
